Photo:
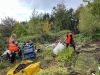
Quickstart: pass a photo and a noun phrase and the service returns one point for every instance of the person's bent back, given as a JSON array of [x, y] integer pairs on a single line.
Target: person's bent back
[[12, 47]]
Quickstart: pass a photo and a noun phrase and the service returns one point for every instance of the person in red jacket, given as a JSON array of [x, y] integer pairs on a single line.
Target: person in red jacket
[[13, 48], [12, 45], [70, 40]]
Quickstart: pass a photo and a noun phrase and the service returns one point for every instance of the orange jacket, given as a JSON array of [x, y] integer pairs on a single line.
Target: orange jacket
[[12, 46], [67, 39]]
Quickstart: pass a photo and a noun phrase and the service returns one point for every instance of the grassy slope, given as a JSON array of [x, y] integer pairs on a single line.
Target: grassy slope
[[60, 64], [56, 66], [85, 62]]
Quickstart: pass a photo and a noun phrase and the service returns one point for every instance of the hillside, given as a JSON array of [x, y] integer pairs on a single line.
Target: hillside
[[81, 62], [45, 29]]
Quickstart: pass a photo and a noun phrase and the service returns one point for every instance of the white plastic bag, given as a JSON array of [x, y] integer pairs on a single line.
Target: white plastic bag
[[58, 48], [5, 53]]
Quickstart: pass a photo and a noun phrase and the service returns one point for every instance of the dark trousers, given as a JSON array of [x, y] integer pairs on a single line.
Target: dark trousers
[[20, 54], [72, 44], [8, 56], [12, 58]]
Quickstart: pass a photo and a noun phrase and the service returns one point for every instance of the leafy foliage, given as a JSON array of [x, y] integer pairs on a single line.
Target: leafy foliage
[[6, 26], [20, 29], [65, 55], [88, 22], [63, 18]]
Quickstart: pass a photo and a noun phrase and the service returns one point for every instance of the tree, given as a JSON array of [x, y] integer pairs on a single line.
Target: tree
[[88, 23], [46, 16], [45, 27], [7, 25], [60, 17], [20, 29], [64, 19], [77, 12], [96, 8]]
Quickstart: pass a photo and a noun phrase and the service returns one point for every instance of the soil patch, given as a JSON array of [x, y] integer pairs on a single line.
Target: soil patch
[[96, 42], [87, 46], [57, 73], [46, 64], [74, 73]]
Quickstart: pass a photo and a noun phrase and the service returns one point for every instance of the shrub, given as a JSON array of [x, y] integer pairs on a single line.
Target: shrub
[[65, 55], [4, 65], [88, 23]]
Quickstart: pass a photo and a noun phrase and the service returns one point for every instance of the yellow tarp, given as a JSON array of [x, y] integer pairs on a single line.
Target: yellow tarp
[[29, 70]]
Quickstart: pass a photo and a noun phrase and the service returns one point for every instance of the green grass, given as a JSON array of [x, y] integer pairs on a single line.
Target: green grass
[[4, 65], [87, 38], [82, 38], [65, 55], [59, 67], [45, 38], [85, 63], [54, 70]]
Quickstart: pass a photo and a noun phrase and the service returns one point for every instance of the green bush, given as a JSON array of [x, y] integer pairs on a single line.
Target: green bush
[[34, 38], [45, 38], [83, 38], [96, 37], [48, 38], [42, 38], [86, 38], [88, 23], [65, 55], [62, 33], [4, 65]]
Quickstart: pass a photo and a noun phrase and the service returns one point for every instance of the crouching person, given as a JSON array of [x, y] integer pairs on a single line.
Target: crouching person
[[13, 48]]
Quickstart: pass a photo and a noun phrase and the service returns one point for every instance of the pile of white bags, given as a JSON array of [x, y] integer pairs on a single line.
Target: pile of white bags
[[58, 48]]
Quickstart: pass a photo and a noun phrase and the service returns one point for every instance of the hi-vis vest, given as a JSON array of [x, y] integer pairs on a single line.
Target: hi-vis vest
[[68, 38], [12, 46]]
